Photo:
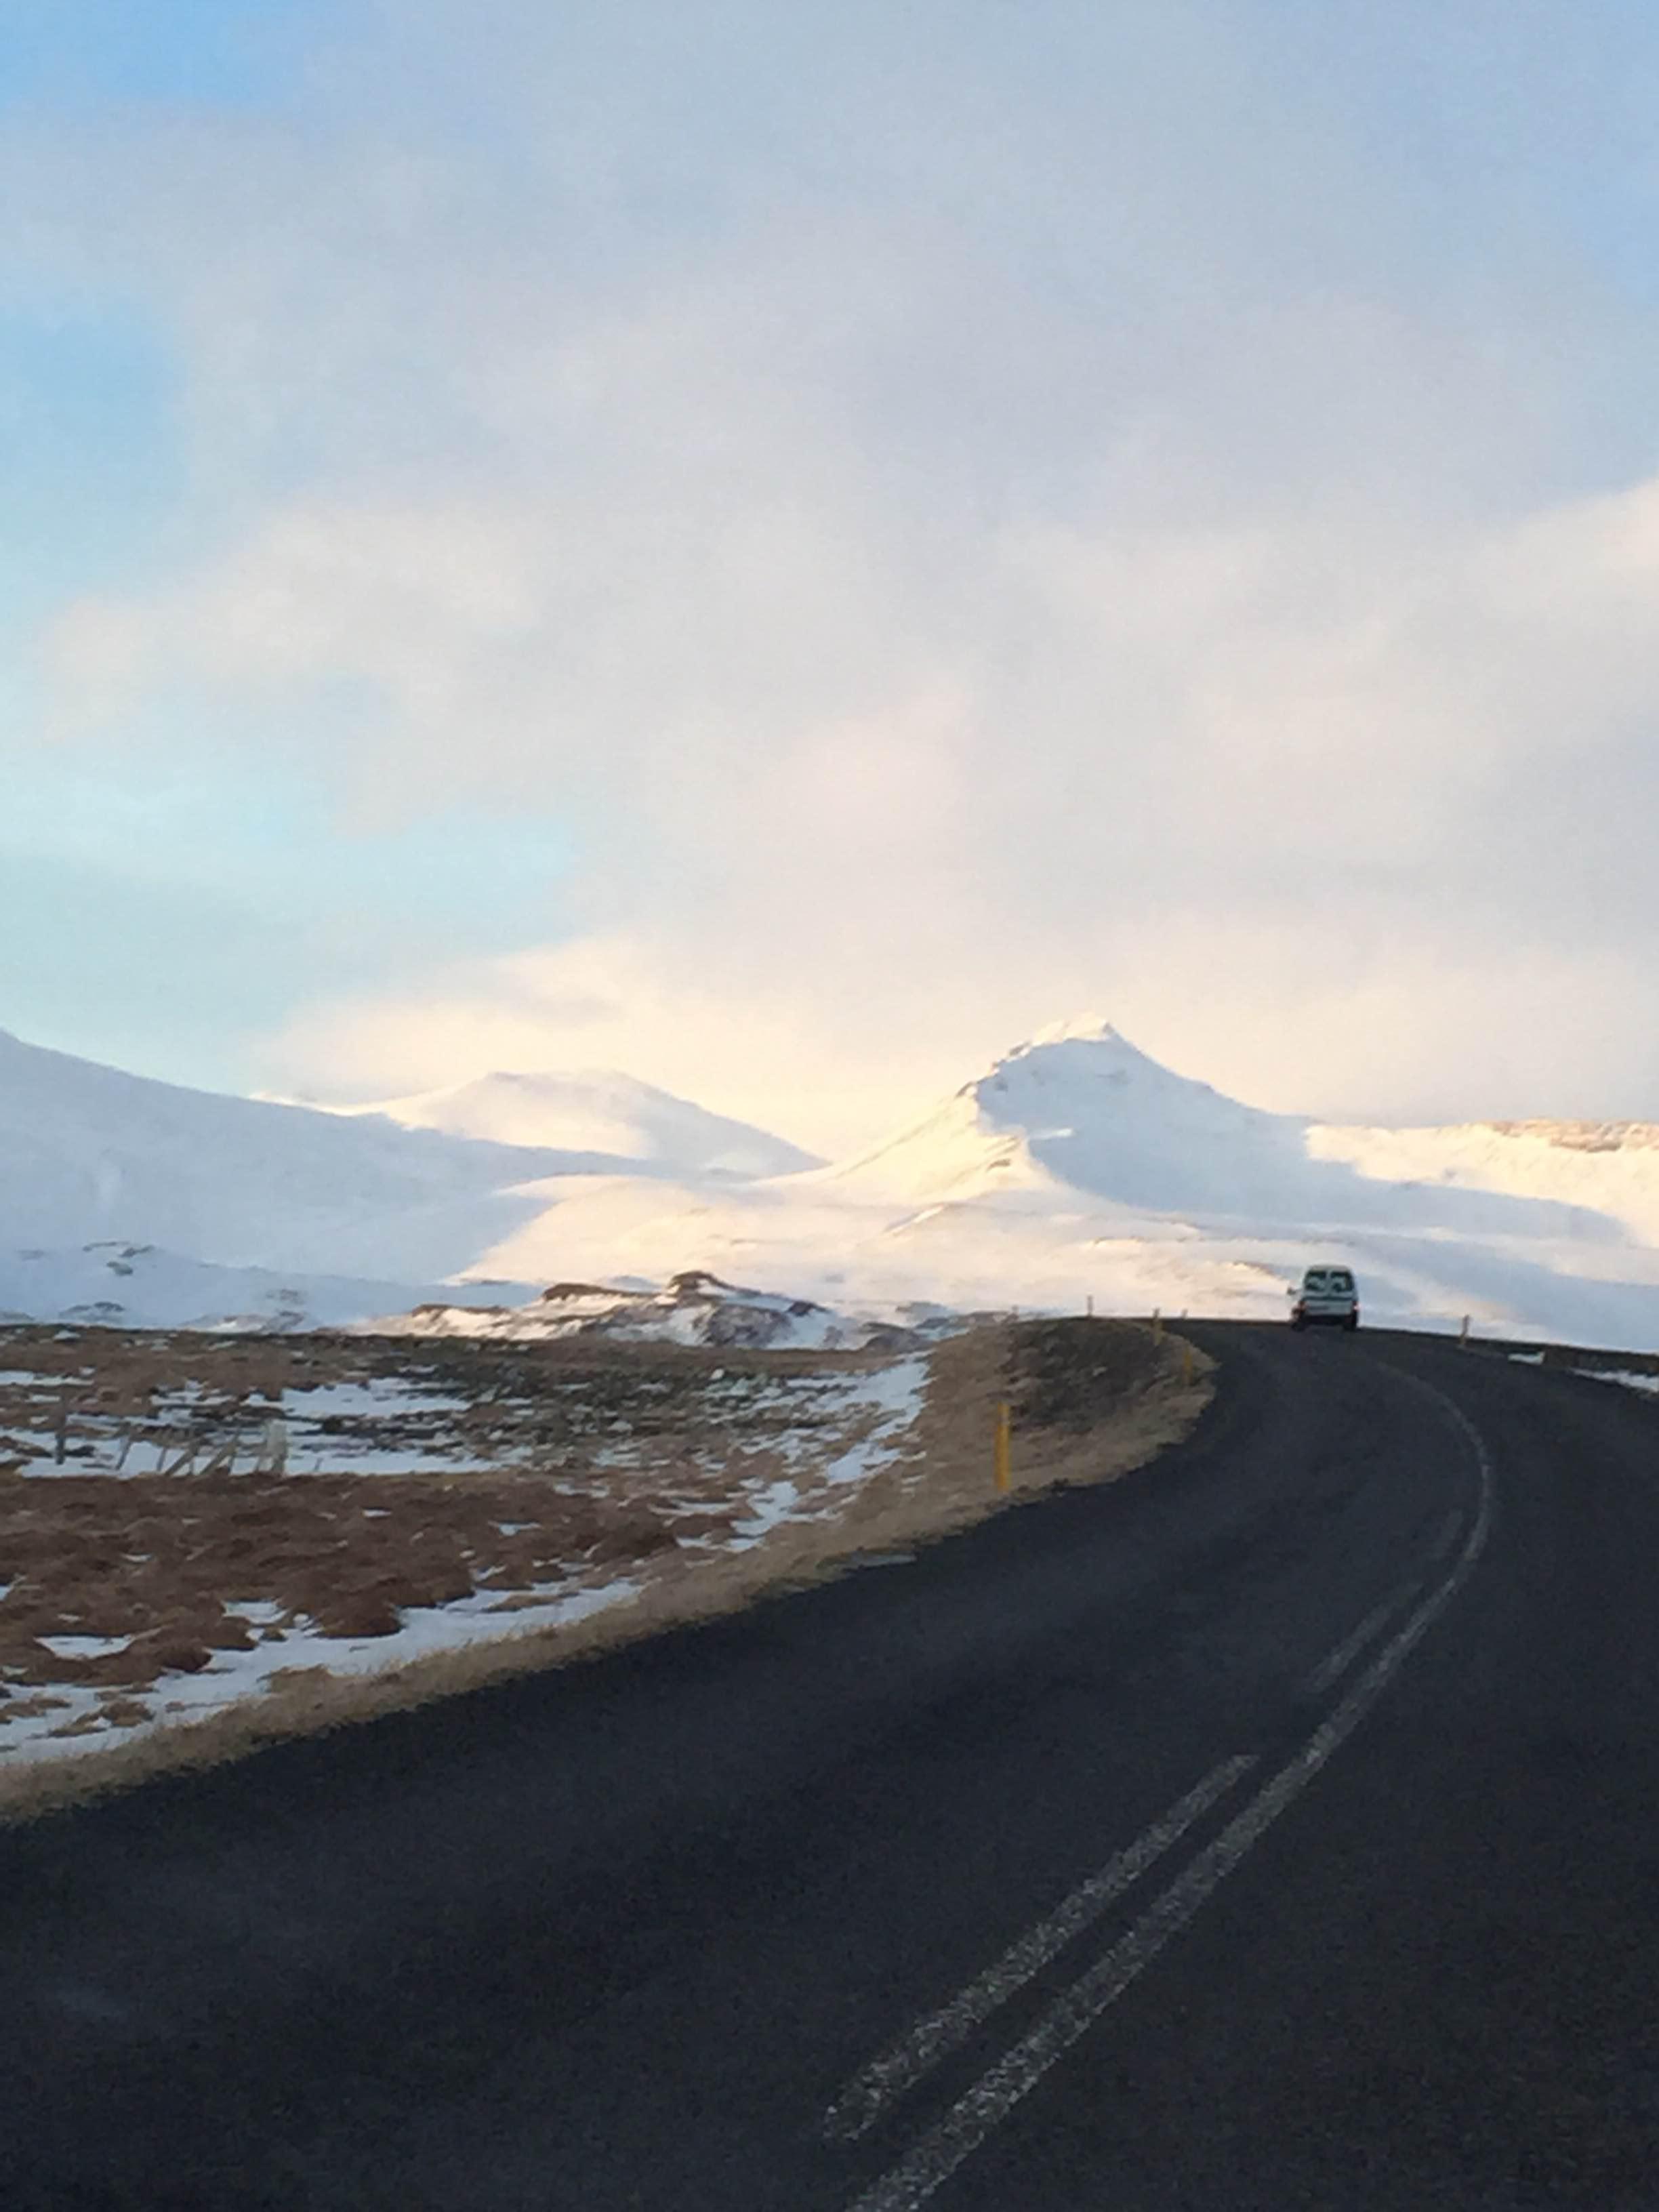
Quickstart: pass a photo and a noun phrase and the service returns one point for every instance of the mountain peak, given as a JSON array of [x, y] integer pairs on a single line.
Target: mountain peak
[[1078, 1105], [1081, 1028], [1086, 1050], [553, 1078], [601, 1112]]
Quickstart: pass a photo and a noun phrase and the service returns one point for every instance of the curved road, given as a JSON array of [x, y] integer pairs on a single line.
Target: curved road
[[1278, 1827]]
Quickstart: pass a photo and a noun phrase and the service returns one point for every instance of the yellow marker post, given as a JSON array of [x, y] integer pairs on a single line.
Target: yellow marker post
[[1464, 1335], [1157, 1326], [1005, 1446]]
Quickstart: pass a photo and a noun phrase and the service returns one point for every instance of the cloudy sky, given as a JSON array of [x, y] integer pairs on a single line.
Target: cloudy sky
[[784, 546]]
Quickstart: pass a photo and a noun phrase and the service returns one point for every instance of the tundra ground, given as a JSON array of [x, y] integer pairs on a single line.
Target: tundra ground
[[206, 1543]]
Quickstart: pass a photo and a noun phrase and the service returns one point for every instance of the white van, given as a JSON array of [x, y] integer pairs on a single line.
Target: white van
[[1328, 1294]]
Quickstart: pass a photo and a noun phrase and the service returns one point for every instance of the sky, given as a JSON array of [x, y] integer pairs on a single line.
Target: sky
[[783, 550]]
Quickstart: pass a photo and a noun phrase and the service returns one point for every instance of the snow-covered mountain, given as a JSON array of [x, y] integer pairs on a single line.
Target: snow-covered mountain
[[599, 1111], [118, 1192], [1078, 1167], [1074, 1167], [1080, 1109], [88, 1153]]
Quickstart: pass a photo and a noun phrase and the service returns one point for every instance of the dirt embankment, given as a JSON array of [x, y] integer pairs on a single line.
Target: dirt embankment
[[192, 1570], [1090, 1400]]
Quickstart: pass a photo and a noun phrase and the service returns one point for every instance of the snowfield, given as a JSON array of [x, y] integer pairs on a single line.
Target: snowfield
[[1074, 1168], [120, 1284]]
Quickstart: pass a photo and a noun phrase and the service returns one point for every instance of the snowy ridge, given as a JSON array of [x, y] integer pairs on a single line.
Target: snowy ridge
[[602, 1114], [1583, 1136], [1080, 1107], [90, 1155], [694, 1308], [1607, 1170]]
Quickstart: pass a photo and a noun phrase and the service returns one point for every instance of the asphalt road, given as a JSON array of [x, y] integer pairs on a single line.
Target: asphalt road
[[1278, 1827]]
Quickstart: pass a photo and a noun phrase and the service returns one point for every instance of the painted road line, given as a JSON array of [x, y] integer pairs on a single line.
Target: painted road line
[[939, 2153], [1336, 1663], [880, 2084], [1447, 1537]]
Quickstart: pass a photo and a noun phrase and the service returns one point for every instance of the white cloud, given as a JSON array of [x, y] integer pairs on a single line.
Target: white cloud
[[763, 1053], [946, 591], [1157, 741]]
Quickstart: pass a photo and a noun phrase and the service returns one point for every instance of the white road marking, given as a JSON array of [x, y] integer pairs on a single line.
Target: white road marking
[[938, 2153], [886, 2079], [1337, 1662]]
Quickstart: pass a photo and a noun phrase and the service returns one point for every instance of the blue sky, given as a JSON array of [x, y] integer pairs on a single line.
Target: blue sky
[[91, 53], [558, 534], [179, 886], [140, 900]]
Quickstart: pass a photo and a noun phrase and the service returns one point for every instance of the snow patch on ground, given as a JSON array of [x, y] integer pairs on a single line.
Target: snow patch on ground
[[387, 1425], [1647, 1384], [878, 1408], [234, 1676], [693, 1308], [734, 1457]]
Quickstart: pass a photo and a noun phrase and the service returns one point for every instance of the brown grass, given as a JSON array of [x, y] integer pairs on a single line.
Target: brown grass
[[1092, 1401], [159, 1559]]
